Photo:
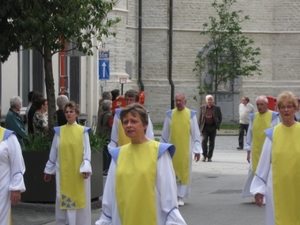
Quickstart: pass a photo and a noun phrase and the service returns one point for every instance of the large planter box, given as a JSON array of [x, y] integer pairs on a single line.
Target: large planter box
[[38, 191]]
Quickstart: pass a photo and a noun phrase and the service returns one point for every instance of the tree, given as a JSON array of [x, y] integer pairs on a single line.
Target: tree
[[48, 26], [229, 54]]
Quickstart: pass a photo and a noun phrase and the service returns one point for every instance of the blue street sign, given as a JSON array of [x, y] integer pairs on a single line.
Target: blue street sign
[[103, 55], [104, 72]]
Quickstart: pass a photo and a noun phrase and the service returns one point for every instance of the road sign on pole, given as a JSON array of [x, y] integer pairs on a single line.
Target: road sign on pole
[[103, 66]]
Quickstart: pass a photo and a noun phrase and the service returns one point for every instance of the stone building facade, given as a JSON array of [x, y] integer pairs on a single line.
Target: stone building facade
[[273, 25]]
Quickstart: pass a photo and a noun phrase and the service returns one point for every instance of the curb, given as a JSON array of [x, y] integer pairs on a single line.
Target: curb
[[48, 207]]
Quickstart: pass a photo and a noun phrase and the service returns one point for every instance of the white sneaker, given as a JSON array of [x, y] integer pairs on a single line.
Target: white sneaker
[[180, 201]]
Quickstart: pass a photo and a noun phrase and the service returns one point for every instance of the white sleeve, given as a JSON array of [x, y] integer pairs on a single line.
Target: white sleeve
[[17, 165], [149, 131], [165, 135], [167, 187], [114, 134], [108, 199], [275, 121], [195, 136], [248, 144], [86, 162], [260, 178], [51, 163]]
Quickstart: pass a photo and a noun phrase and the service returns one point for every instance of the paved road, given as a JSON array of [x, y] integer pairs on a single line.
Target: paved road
[[215, 196]]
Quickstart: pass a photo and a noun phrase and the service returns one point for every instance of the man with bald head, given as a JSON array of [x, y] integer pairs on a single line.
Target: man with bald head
[[256, 136], [180, 129]]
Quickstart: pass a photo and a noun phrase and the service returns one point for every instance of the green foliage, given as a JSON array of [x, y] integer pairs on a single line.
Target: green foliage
[[42, 142], [50, 27], [97, 142], [229, 126], [158, 126], [52, 24], [229, 54], [38, 142]]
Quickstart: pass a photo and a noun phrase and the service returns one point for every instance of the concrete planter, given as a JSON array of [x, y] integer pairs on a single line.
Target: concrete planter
[[38, 191]]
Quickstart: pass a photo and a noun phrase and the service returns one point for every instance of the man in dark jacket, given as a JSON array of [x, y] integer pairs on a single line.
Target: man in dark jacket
[[209, 121]]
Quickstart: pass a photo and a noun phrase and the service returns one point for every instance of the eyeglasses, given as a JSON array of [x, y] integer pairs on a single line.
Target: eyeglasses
[[288, 107]]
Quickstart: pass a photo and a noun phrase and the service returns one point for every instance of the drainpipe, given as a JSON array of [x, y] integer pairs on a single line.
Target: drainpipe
[[140, 81], [171, 52]]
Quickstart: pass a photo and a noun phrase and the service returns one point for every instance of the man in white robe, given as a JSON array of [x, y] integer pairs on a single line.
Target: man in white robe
[[183, 190], [256, 135], [12, 168]]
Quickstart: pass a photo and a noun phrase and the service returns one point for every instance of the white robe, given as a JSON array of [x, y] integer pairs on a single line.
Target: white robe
[[248, 147], [165, 195], [12, 168], [78, 216], [114, 137], [195, 147], [262, 182]]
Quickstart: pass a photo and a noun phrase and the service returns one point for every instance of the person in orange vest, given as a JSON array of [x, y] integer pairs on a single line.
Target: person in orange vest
[[118, 137]]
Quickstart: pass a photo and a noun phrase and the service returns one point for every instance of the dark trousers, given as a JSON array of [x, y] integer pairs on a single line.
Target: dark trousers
[[208, 135], [243, 128], [106, 158]]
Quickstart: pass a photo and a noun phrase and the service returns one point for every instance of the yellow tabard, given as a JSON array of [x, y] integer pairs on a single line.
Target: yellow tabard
[[135, 183], [260, 123], [180, 129], [2, 131], [72, 190], [286, 177], [122, 138]]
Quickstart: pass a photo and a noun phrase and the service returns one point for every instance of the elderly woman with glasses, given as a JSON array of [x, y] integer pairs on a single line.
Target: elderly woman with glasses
[[277, 176], [141, 186]]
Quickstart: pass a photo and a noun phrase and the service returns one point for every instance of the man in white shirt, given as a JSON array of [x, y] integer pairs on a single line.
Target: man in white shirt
[[245, 109]]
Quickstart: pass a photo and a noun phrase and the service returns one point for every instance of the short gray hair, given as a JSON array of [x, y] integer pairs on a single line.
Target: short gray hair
[[61, 101], [106, 104], [262, 97], [14, 101]]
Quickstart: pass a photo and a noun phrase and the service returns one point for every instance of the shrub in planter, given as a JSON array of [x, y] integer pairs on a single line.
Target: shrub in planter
[[36, 154]]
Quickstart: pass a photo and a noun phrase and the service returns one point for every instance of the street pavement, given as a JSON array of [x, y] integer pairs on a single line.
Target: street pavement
[[215, 199]]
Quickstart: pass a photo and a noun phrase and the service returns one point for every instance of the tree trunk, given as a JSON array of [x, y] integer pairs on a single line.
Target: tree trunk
[[49, 82]]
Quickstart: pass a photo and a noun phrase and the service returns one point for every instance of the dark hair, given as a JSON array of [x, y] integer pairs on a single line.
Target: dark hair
[[30, 96], [39, 102], [72, 105], [136, 110], [115, 93], [35, 96], [133, 93], [247, 99]]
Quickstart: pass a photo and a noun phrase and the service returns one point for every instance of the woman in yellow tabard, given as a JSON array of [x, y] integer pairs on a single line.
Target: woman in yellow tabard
[[69, 160], [277, 175], [140, 186]]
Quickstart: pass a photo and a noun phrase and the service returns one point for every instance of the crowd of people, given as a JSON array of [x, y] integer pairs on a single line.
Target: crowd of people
[[162, 169]]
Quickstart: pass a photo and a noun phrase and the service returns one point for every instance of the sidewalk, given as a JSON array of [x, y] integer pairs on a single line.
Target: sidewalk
[[215, 199]]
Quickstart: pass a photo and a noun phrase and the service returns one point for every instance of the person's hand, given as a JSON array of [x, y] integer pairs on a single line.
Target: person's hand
[[85, 175], [15, 197], [47, 177], [197, 157], [259, 199], [248, 156]]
